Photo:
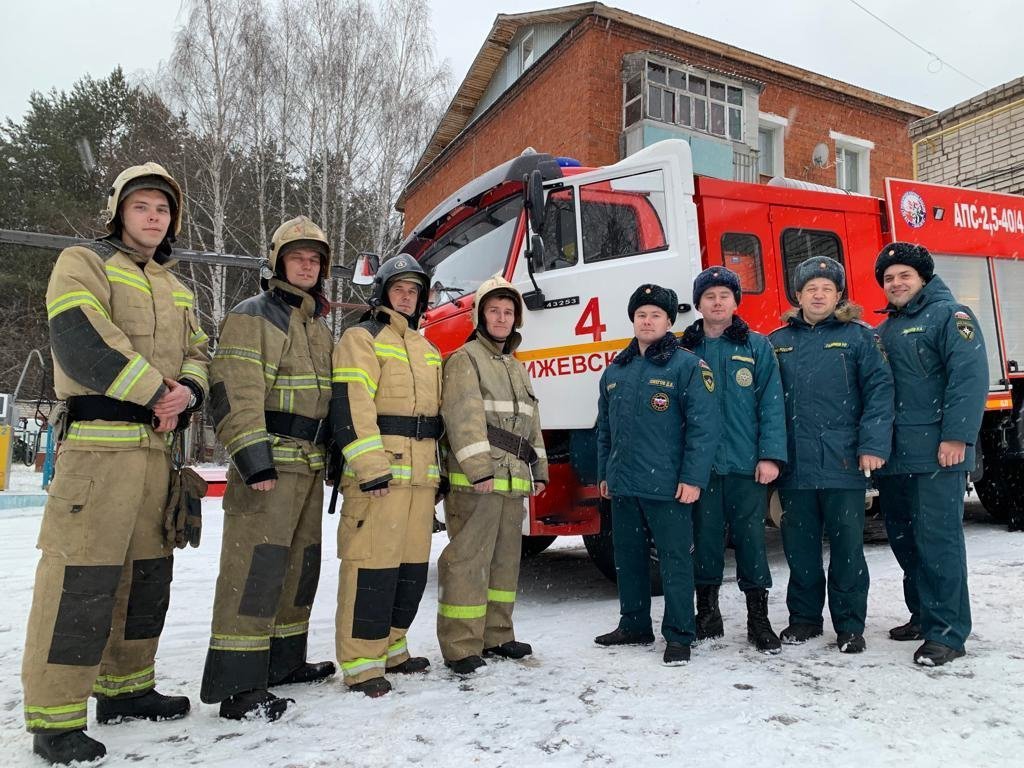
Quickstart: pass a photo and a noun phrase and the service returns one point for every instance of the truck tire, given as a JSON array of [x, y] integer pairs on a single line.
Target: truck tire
[[1001, 487], [534, 545], [599, 547]]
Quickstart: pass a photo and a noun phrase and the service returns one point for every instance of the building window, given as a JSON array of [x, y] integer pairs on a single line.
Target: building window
[[798, 245], [771, 133], [853, 157], [526, 55], [692, 99]]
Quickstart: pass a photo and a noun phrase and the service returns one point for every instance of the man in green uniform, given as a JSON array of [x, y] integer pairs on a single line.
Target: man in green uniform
[[658, 430], [941, 372], [839, 406], [271, 386], [130, 359], [749, 395]]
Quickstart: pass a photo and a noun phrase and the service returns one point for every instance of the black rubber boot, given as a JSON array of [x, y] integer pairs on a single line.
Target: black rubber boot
[[759, 629], [307, 673], [411, 666], [67, 747], [622, 637], [149, 706], [795, 634], [904, 632], [513, 649], [676, 654], [466, 666], [709, 616], [374, 688], [849, 642], [933, 654], [254, 705]]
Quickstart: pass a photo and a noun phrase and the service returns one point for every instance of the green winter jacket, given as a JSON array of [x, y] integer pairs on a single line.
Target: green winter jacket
[[657, 423], [748, 393], [941, 372], [839, 399]]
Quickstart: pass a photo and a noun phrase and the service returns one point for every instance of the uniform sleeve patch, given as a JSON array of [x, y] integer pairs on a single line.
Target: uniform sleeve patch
[[965, 327], [961, 315], [708, 376]]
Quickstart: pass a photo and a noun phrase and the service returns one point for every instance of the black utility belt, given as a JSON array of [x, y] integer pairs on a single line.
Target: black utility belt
[[294, 425], [103, 408], [417, 427], [509, 441]]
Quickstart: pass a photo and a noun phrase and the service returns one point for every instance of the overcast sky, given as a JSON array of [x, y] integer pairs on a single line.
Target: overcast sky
[[52, 43]]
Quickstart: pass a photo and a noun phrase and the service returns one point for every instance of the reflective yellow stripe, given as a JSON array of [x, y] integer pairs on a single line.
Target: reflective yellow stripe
[[397, 648], [501, 596], [472, 450], [237, 443], [500, 484], [390, 350], [507, 406], [401, 471], [356, 666], [354, 376], [433, 471], [461, 611], [111, 685], [364, 445], [298, 381], [74, 299], [129, 278], [128, 378], [240, 642], [101, 433], [182, 299], [198, 337], [63, 717], [239, 353], [432, 358], [195, 370], [291, 630]]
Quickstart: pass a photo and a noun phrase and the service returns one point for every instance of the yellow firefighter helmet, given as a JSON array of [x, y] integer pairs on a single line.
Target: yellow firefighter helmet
[[300, 232], [496, 287], [145, 176]]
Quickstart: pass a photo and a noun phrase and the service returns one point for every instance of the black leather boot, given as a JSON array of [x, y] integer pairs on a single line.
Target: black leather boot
[[759, 628], [307, 673], [67, 747], [709, 616], [151, 705]]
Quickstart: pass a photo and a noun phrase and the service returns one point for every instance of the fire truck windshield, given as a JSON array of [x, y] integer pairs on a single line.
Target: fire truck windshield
[[472, 251]]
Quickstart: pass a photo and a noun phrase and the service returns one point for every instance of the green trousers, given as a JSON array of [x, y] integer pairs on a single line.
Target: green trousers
[[924, 519], [671, 528], [806, 515], [741, 503]]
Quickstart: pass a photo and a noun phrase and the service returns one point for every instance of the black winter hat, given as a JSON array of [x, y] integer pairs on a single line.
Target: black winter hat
[[911, 254], [716, 276], [649, 293], [819, 266]]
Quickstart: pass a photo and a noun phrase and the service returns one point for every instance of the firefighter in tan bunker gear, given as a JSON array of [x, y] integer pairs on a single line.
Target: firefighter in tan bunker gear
[[131, 361], [384, 418], [496, 458], [269, 395]]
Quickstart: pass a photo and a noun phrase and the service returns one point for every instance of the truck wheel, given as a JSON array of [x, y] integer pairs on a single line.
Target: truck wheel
[[1001, 487], [599, 547], [534, 545]]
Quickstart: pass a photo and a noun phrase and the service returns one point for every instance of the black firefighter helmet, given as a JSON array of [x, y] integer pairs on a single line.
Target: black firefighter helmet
[[400, 267]]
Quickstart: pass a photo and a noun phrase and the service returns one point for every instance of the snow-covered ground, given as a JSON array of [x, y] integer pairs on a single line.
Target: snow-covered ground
[[574, 703]]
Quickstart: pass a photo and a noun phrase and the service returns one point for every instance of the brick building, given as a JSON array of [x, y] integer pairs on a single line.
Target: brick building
[[978, 143], [597, 83]]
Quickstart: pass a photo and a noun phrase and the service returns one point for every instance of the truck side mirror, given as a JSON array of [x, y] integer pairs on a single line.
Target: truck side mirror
[[366, 267], [533, 191]]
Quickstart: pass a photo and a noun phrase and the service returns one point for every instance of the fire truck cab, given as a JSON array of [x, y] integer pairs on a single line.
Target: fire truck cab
[[576, 242]]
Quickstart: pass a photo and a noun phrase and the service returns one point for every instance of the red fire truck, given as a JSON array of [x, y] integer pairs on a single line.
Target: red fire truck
[[577, 242]]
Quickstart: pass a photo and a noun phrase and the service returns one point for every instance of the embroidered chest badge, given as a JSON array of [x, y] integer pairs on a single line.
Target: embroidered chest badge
[[659, 401], [708, 376], [744, 377]]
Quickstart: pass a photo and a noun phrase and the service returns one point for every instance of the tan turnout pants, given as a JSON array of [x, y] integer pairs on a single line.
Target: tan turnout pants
[[478, 572], [102, 585], [269, 571], [384, 546]]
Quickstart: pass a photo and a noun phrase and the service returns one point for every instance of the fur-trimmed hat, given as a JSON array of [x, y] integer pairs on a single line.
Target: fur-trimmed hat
[[649, 293], [713, 277], [911, 254], [819, 266]]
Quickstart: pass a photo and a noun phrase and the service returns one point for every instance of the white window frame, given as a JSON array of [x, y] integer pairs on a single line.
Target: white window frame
[[860, 147], [777, 126], [527, 41]]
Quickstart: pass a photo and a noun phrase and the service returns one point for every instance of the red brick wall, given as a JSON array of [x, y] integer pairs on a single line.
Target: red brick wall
[[573, 106]]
